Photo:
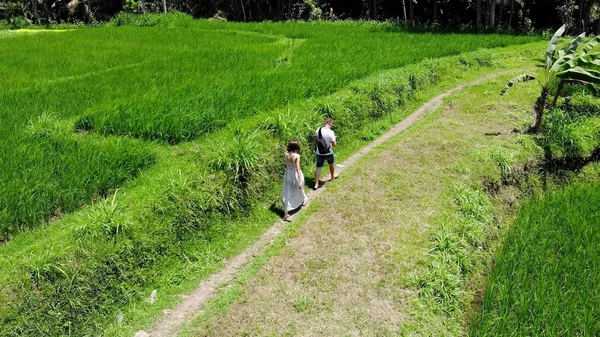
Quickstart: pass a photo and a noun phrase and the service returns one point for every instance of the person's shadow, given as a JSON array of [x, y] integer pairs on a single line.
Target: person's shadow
[[309, 183], [276, 208]]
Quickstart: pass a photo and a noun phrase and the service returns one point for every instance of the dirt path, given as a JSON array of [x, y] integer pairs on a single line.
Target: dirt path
[[193, 303]]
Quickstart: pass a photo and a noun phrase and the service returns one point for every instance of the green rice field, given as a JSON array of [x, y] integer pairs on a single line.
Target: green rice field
[[545, 279], [85, 110]]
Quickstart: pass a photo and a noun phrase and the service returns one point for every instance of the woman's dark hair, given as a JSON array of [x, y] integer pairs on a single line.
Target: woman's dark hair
[[293, 146]]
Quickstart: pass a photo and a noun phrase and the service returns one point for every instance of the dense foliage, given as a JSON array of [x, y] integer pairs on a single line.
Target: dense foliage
[[571, 65], [581, 15], [572, 129]]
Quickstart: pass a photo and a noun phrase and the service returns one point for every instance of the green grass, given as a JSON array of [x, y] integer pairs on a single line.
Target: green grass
[[572, 130], [198, 203], [171, 83], [545, 279]]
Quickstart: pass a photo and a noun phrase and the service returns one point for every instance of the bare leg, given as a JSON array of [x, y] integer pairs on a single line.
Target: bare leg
[[317, 177], [332, 171]]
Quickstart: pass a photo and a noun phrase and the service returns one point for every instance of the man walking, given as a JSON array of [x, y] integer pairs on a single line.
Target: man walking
[[325, 139]]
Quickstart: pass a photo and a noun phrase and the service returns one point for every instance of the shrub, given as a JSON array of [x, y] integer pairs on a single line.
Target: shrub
[[244, 160], [19, 22], [583, 104], [307, 10], [171, 19], [570, 135]]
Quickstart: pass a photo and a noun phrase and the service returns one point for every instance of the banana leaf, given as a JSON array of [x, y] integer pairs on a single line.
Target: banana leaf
[[580, 74], [586, 61], [552, 44], [563, 62], [574, 44], [589, 59], [520, 78], [591, 44]]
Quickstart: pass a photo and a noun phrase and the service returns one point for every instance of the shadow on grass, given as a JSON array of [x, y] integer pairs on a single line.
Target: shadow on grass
[[309, 183], [276, 208]]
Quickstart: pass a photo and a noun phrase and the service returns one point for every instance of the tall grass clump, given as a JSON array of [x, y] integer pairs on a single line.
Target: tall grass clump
[[545, 278], [245, 161], [452, 258], [291, 124], [48, 172], [572, 131]]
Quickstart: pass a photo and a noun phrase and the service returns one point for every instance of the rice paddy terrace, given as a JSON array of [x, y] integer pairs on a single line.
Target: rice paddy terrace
[[80, 109]]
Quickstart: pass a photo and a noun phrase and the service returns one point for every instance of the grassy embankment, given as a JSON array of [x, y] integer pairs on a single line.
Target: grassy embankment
[[176, 223]]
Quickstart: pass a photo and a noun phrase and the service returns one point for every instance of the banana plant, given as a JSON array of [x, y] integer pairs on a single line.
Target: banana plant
[[568, 66]]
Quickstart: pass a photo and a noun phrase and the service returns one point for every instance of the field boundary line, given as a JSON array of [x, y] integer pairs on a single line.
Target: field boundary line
[[286, 54], [64, 79], [192, 304], [284, 57]]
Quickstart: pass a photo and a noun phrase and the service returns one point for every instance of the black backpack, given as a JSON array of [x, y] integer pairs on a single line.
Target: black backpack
[[322, 146]]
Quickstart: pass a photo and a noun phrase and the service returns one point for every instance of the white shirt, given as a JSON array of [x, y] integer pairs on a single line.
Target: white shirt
[[329, 137]]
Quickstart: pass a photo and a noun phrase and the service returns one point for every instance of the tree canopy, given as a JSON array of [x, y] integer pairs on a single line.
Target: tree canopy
[[579, 15]]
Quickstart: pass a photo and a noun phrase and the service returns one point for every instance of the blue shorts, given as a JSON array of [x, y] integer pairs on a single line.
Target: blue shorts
[[321, 160]]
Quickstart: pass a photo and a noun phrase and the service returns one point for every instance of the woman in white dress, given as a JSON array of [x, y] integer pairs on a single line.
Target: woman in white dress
[[292, 193]]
